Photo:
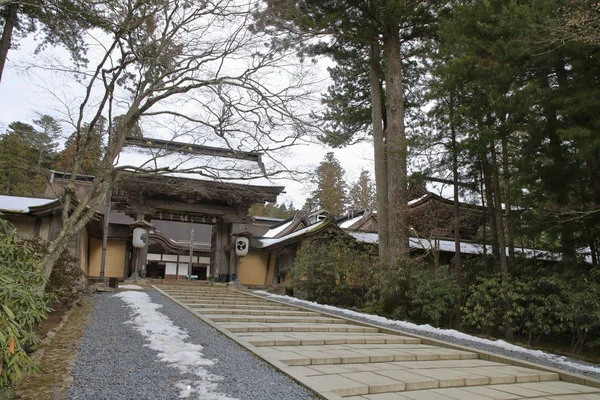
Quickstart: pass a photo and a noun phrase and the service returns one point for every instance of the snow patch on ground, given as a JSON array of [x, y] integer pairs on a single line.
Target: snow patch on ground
[[131, 287], [169, 341], [450, 334]]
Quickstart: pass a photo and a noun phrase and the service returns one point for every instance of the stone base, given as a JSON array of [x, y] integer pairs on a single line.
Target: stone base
[[134, 281]]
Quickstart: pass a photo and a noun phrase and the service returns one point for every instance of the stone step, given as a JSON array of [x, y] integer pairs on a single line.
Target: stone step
[[201, 306], [363, 353], [270, 339], [275, 319], [220, 300], [210, 294], [397, 377], [231, 311], [237, 327], [342, 358], [191, 299]]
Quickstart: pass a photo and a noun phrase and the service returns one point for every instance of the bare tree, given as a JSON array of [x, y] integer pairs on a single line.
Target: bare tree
[[195, 69]]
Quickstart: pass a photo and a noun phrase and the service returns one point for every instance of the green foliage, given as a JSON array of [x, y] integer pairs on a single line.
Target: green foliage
[[408, 290], [330, 187], [87, 146], [60, 22], [362, 193], [23, 305], [67, 280], [485, 308], [273, 210], [432, 298], [329, 269], [26, 155], [540, 304]]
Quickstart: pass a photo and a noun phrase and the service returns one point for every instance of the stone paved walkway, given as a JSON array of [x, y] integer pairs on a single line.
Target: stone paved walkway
[[340, 358]]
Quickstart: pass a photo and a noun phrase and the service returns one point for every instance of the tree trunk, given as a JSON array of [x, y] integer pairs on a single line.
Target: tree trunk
[[76, 220], [379, 151], [457, 260], [500, 236], [593, 165], [489, 200], [498, 210], [396, 144], [5, 41], [483, 210], [510, 241]]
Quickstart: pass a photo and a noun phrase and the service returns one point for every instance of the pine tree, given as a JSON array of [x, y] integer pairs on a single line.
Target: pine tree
[[362, 193], [58, 22], [330, 191], [373, 39], [86, 148], [24, 156]]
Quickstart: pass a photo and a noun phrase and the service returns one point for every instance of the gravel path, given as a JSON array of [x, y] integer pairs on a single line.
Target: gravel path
[[571, 365], [115, 364]]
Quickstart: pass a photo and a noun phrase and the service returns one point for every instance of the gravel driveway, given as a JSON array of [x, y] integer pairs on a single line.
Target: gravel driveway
[[115, 362]]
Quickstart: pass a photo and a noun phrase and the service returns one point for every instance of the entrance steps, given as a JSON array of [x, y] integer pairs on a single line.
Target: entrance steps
[[275, 312], [340, 358]]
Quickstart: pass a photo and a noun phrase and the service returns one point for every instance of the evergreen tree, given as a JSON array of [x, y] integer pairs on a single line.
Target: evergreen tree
[[57, 22], [273, 210], [362, 193], [25, 157], [371, 43], [86, 148], [330, 191]]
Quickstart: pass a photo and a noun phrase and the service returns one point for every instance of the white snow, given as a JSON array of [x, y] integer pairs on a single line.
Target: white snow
[[448, 333], [349, 222], [131, 287], [448, 245], [275, 231], [413, 201], [21, 204], [169, 341], [268, 242]]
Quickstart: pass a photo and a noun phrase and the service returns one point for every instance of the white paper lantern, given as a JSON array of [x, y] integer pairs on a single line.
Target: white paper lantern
[[241, 246], [140, 237]]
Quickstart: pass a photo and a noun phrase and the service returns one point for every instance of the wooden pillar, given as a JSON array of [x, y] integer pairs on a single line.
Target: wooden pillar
[[36, 227], [54, 225], [233, 261], [176, 269], [135, 256], [143, 260], [222, 231]]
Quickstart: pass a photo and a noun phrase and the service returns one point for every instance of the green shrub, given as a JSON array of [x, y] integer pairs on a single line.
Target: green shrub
[[67, 280], [408, 290], [23, 305], [329, 269], [432, 298], [495, 304]]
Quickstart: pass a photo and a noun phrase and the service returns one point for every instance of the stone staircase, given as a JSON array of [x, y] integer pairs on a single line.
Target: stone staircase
[[341, 358]]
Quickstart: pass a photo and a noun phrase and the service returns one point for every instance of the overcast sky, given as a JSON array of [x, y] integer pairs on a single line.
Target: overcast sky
[[25, 92]]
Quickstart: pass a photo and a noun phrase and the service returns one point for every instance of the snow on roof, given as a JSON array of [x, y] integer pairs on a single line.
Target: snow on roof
[[265, 242], [413, 201], [349, 222], [278, 229], [21, 204], [365, 237], [448, 245], [259, 218]]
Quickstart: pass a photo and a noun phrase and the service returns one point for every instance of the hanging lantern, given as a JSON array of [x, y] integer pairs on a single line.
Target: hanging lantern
[[140, 237], [241, 246]]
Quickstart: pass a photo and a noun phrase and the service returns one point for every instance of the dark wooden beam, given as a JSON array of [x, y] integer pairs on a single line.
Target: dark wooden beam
[[189, 148]]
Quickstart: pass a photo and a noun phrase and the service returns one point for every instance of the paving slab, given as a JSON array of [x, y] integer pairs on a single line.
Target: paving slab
[[341, 358]]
